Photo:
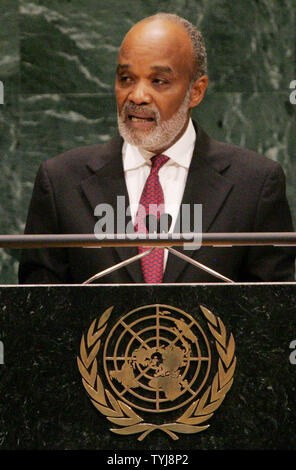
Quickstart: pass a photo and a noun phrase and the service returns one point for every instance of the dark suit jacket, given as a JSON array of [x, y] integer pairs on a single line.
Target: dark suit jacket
[[240, 191]]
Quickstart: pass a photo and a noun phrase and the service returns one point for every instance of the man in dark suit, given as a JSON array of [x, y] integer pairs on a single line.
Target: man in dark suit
[[161, 76]]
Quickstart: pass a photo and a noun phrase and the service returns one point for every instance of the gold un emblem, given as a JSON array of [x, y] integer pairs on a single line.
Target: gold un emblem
[[157, 360]]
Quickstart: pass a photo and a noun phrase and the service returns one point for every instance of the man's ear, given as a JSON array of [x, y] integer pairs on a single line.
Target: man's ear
[[198, 91]]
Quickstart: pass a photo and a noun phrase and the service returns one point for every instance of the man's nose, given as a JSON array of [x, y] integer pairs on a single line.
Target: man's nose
[[140, 94]]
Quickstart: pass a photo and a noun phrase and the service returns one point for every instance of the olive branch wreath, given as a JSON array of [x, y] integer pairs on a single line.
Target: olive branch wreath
[[123, 415]]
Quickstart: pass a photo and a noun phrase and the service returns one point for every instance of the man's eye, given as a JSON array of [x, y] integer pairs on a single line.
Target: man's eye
[[160, 81], [124, 79]]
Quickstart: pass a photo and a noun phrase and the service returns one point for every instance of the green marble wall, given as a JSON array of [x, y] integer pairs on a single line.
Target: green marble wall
[[57, 61]]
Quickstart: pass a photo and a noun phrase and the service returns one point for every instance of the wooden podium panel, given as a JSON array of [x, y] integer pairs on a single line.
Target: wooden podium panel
[[44, 405]]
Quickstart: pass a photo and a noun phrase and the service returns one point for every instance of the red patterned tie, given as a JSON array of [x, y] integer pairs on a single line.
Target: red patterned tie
[[152, 264]]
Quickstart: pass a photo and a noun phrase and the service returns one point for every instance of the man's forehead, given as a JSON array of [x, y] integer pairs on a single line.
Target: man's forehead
[[160, 46], [154, 68], [160, 36]]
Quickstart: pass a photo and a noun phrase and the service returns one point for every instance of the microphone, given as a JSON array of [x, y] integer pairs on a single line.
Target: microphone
[[161, 225]]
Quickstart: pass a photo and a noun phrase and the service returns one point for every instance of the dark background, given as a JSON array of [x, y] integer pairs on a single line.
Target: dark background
[[44, 406], [57, 63]]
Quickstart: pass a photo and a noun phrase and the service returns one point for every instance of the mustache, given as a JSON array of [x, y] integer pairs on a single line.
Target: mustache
[[130, 108]]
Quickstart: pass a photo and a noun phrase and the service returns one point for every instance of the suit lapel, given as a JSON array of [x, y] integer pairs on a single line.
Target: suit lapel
[[206, 186], [103, 186]]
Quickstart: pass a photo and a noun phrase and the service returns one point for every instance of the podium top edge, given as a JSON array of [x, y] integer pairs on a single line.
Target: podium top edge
[[194, 240], [193, 284]]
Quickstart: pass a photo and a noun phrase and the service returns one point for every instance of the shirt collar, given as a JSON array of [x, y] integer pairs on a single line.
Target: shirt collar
[[180, 152]]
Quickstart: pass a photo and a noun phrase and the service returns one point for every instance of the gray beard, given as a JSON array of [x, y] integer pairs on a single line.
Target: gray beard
[[164, 133]]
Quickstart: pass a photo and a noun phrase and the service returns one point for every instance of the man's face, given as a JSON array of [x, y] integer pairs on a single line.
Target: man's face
[[153, 85]]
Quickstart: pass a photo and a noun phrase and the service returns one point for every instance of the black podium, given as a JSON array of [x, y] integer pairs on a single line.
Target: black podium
[[117, 367]]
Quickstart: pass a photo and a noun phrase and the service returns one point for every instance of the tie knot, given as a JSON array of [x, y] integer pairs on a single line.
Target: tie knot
[[158, 161]]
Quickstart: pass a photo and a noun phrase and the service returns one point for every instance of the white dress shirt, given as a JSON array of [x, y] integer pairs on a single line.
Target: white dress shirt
[[172, 175]]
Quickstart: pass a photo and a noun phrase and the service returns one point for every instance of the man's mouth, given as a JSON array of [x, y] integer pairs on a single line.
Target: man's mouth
[[136, 118], [140, 120]]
